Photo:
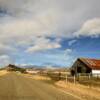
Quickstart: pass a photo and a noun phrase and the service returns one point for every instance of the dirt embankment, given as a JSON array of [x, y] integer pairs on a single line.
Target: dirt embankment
[[86, 93]]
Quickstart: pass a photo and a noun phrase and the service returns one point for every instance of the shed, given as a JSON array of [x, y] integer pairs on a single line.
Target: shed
[[86, 65]]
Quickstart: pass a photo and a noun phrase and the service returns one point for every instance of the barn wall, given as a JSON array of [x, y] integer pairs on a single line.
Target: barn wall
[[95, 71], [80, 67]]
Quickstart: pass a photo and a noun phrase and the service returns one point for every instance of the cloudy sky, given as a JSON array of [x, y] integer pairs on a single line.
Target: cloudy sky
[[48, 32]]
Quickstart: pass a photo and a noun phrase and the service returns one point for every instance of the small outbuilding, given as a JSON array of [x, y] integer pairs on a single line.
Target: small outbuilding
[[86, 66], [32, 71]]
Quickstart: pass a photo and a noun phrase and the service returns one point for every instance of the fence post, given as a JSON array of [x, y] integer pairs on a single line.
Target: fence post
[[66, 79], [59, 74], [74, 79], [89, 76], [97, 76]]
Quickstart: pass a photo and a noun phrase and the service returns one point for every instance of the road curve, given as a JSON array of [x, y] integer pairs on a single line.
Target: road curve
[[17, 87]]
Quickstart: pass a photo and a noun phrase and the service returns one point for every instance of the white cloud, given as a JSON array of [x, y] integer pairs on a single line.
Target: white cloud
[[6, 49], [5, 60], [44, 17], [71, 42], [90, 28], [67, 53], [23, 22], [43, 44]]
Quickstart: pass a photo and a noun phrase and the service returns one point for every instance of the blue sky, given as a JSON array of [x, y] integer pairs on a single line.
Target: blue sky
[[48, 32]]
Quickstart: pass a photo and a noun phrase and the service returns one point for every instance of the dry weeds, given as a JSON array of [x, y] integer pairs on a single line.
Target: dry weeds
[[84, 92]]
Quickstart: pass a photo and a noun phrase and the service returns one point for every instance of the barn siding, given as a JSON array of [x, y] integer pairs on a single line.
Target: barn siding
[[80, 67]]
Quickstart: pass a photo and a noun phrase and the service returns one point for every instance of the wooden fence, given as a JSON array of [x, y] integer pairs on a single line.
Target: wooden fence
[[84, 79]]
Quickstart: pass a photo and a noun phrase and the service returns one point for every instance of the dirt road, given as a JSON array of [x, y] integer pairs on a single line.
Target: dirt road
[[14, 86]]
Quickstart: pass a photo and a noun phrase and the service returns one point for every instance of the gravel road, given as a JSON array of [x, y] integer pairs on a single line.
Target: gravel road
[[14, 86]]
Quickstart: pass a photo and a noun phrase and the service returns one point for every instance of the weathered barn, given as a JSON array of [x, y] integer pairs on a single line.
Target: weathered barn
[[86, 65]]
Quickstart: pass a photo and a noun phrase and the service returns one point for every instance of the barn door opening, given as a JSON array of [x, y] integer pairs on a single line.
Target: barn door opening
[[79, 70]]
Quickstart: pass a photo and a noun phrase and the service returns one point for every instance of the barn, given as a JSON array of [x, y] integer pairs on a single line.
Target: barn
[[86, 66]]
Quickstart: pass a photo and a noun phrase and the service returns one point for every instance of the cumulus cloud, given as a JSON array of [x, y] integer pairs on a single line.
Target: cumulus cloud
[[43, 44], [90, 28], [44, 17]]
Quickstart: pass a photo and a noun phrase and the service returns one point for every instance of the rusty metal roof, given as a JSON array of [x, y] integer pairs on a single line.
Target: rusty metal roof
[[91, 63]]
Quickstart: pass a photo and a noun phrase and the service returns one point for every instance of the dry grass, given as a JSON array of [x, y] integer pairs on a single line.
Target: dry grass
[[82, 91], [37, 77], [3, 72]]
